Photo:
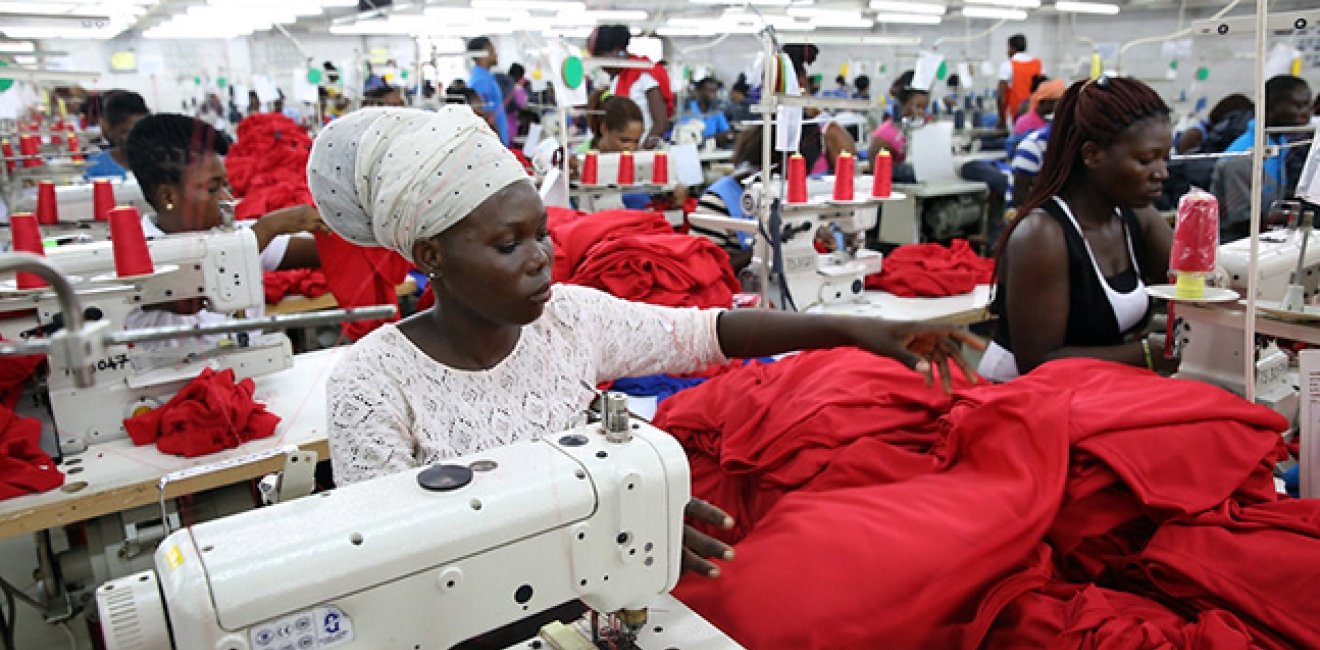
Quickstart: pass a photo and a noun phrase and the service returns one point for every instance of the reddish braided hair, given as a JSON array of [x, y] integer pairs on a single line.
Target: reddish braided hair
[[1098, 111]]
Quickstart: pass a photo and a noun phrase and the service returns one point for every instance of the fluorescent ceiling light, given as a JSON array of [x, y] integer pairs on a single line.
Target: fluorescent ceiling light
[[466, 15], [864, 39], [1102, 8], [908, 7], [814, 13], [17, 47], [907, 19], [26, 59], [759, 3], [529, 5], [666, 30], [994, 13], [573, 32], [617, 14], [1012, 4]]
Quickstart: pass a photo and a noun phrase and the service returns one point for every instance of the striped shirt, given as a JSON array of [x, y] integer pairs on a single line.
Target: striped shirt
[[1031, 152]]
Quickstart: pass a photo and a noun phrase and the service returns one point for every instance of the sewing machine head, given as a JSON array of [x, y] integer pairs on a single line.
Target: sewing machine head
[[690, 132], [1276, 263], [458, 550], [222, 266], [75, 201]]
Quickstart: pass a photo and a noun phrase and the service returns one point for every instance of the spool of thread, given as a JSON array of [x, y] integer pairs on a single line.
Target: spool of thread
[[660, 168], [48, 210], [30, 147], [843, 177], [27, 238], [71, 140], [797, 179], [103, 200], [626, 172], [590, 167], [882, 183], [132, 255], [8, 151]]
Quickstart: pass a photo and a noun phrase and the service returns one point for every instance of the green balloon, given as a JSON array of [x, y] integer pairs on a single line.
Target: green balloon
[[1202, 73], [573, 72], [314, 75], [221, 82], [5, 84], [943, 71], [403, 74], [884, 68], [1173, 65], [197, 81]]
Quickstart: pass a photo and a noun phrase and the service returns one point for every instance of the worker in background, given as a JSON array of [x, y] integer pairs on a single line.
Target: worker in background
[[470, 98], [822, 138], [648, 88], [1287, 104], [382, 95], [616, 125], [1015, 78], [1237, 107], [911, 105], [1041, 107], [515, 97], [1226, 122], [703, 107], [862, 86], [178, 162], [504, 356], [739, 108], [120, 110], [1073, 267], [840, 89], [724, 198], [481, 80]]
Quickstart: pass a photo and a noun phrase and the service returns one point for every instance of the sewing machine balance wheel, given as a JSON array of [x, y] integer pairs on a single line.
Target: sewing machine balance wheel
[[161, 270]]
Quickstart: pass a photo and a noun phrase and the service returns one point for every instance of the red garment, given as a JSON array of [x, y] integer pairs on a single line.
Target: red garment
[[931, 270], [574, 234], [14, 373], [660, 269], [629, 76], [874, 512], [360, 277], [24, 467], [212, 413], [297, 282], [267, 166]]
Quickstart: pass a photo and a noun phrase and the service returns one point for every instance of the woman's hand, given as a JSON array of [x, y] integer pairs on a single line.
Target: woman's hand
[[299, 218], [697, 546], [920, 346], [1164, 365]]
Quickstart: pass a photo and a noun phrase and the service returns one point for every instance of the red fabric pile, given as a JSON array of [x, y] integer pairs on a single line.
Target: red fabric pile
[[360, 277], [932, 271], [24, 467], [267, 167], [212, 413], [1087, 504], [635, 255], [297, 282]]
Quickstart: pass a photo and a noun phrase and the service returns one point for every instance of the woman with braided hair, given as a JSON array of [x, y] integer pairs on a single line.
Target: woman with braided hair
[[1072, 272]]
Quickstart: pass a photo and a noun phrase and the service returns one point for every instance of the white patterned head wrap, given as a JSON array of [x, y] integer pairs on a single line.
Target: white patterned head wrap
[[393, 176]]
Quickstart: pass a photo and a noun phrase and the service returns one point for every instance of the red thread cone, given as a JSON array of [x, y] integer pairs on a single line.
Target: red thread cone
[[132, 256]]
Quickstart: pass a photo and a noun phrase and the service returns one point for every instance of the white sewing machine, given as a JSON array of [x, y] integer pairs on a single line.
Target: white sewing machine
[[75, 201], [608, 194], [1276, 263], [462, 549], [222, 265], [813, 278]]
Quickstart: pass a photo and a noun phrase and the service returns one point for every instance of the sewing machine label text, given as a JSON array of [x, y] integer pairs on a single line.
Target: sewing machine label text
[[112, 362], [322, 627]]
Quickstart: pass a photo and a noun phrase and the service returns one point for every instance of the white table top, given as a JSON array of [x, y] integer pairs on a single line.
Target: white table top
[[964, 309], [119, 475], [941, 188]]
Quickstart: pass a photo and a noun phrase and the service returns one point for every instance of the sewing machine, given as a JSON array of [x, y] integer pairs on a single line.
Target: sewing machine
[[464, 548], [222, 266], [813, 278], [75, 201], [1276, 263]]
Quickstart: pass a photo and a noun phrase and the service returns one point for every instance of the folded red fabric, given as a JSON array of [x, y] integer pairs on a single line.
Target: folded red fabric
[[932, 271], [295, 282], [267, 166], [661, 269], [575, 234], [212, 413], [1075, 507], [24, 467], [361, 277]]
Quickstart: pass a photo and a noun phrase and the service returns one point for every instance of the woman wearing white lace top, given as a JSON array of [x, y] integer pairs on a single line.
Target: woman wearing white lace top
[[503, 356]]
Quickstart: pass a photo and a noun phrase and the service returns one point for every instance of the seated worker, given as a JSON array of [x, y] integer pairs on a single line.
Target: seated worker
[[504, 355], [1287, 103], [1190, 139], [382, 95], [889, 135], [178, 161], [1222, 127], [703, 108], [1027, 158], [1041, 108], [120, 110], [469, 96], [1073, 266], [649, 89], [739, 107], [724, 198], [822, 139], [616, 126]]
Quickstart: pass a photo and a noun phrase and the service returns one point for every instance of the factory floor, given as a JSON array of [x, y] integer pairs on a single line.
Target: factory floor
[[18, 559]]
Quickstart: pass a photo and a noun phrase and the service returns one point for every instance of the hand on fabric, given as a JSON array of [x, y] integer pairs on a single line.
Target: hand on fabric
[[920, 346], [697, 546]]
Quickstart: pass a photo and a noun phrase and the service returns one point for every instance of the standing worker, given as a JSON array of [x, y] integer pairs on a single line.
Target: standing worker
[[481, 80], [1015, 78]]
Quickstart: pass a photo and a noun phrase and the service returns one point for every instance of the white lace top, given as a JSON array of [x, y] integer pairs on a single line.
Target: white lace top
[[392, 407]]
